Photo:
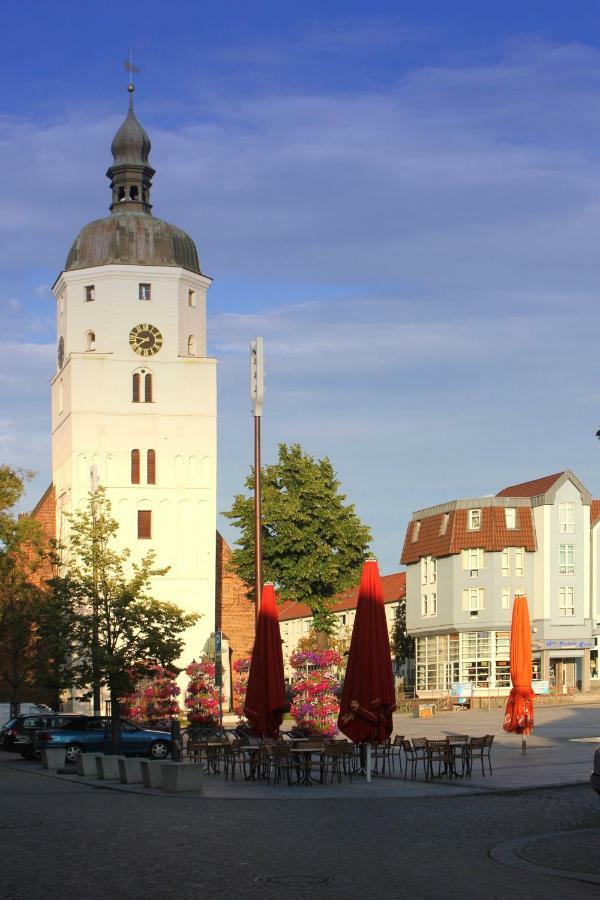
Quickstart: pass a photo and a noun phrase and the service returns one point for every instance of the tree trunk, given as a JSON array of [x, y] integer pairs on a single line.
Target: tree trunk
[[322, 640], [115, 723]]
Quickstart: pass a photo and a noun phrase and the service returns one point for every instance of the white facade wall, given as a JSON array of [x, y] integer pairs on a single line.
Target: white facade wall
[[95, 423]]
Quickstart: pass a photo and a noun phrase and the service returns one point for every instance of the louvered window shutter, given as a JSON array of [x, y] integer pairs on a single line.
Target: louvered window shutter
[[465, 559], [148, 388], [465, 600], [481, 598], [136, 388], [144, 523], [135, 466], [151, 467]]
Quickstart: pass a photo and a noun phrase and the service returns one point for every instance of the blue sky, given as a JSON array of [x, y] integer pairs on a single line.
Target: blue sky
[[404, 202]]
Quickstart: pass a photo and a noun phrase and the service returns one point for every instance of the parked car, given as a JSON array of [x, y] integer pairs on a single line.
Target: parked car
[[25, 709], [91, 734], [17, 735], [595, 776]]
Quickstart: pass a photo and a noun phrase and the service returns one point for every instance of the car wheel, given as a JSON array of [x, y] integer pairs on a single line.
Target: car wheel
[[159, 750], [73, 752]]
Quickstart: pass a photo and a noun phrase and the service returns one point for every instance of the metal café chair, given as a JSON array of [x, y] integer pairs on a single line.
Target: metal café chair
[[480, 748], [459, 752], [396, 751], [438, 752]]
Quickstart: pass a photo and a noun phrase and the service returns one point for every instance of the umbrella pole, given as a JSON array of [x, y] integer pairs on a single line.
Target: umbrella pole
[[369, 762], [524, 745]]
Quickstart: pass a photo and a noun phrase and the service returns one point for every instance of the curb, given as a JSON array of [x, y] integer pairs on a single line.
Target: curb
[[508, 854]]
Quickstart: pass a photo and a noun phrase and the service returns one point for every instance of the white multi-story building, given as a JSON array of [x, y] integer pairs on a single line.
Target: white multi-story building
[[467, 559], [134, 395]]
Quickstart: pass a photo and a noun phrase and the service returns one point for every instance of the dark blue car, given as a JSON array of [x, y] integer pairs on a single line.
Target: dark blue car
[[90, 734]]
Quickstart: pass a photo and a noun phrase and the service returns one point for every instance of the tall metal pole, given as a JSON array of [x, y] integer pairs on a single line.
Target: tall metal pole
[[257, 392], [95, 674]]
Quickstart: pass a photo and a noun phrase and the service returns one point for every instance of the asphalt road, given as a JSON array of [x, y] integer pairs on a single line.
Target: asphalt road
[[59, 839]]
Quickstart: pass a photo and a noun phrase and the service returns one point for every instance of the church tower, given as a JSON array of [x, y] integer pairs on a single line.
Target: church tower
[[134, 395]]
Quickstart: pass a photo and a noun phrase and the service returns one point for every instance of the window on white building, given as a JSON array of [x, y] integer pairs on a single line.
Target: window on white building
[[429, 605], [424, 569], [519, 561], [90, 341], [89, 293], [505, 602], [192, 298], [444, 523], [473, 599], [505, 562], [473, 560], [566, 601], [433, 571], [144, 292], [566, 518], [566, 559], [191, 345], [511, 517], [342, 618], [474, 519]]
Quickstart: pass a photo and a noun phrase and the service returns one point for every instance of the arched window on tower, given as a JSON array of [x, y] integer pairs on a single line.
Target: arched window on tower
[[191, 345], [148, 388], [142, 386], [151, 467], [90, 341], [134, 192], [135, 466], [136, 387]]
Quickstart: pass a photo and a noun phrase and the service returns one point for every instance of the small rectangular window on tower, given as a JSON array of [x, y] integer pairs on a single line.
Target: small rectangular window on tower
[[192, 298], [145, 292], [89, 292], [135, 466], [144, 524]]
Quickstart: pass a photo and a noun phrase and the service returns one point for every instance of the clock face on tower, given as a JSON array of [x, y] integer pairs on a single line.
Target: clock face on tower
[[145, 340]]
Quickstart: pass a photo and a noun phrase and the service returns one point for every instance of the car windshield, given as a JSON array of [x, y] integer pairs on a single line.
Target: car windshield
[[10, 724]]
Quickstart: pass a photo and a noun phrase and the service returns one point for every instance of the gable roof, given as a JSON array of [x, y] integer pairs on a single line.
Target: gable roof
[[531, 488], [594, 512], [394, 588], [493, 535]]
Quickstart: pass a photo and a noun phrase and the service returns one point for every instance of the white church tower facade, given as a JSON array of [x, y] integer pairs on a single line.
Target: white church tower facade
[[134, 400]]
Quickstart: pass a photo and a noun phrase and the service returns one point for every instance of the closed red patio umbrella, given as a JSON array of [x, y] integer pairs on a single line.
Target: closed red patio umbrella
[[519, 708], [368, 698], [265, 695]]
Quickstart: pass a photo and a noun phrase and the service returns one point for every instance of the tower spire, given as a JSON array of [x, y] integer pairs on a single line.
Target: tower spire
[[131, 173]]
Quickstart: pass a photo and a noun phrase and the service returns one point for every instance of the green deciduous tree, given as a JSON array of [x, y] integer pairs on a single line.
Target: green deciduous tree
[[21, 555], [119, 626], [313, 542], [401, 642]]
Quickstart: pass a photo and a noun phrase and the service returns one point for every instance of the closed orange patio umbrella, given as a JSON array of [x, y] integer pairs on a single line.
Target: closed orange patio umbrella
[[265, 695], [519, 708]]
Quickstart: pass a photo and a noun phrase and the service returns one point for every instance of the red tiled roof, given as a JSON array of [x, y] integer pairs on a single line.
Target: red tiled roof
[[594, 512], [493, 535], [530, 488], [394, 587]]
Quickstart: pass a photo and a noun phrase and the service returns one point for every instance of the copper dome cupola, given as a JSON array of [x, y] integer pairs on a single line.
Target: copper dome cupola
[[131, 235]]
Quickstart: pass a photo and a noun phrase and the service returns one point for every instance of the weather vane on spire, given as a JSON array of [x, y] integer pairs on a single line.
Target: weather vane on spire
[[129, 67]]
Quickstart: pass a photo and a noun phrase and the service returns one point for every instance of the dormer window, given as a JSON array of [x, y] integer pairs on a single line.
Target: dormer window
[[415, 531], [511, 517], [89, 293], [474, 519], [144, 292], [444, 523]]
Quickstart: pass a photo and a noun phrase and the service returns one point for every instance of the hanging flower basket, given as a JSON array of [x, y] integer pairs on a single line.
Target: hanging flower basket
[[154, 702], [315, 704], [202, 694]]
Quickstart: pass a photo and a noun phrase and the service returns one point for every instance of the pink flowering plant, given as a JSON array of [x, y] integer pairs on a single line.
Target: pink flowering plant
[[202, 694], [241, 671], [154, 701], [315, 705]]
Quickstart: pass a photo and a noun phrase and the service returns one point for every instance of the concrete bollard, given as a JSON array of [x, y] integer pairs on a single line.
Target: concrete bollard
[[86, 765], [108, 767], [130, 770], [151, 772], [181, 777], [53, 758]]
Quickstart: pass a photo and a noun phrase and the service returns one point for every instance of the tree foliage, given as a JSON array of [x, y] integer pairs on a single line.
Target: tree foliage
[[313, 543], [21, 555], [111, 595], [401, 642]]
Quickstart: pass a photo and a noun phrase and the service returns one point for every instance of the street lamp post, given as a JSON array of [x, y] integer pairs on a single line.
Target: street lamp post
[[95, 674], [257, 392]]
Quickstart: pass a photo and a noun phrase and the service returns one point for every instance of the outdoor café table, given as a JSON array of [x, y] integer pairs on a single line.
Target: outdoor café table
[[458, 752], [252, 756], [305, 755]]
